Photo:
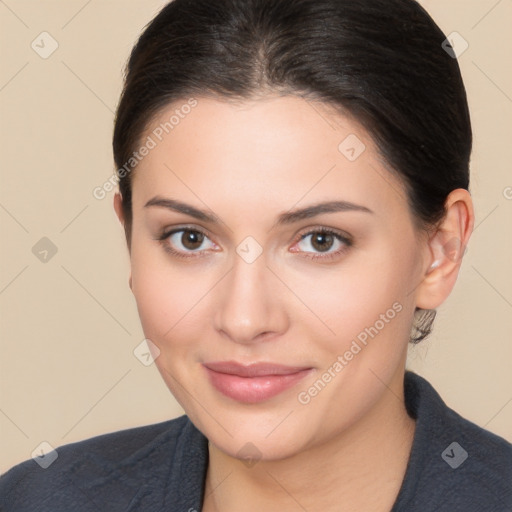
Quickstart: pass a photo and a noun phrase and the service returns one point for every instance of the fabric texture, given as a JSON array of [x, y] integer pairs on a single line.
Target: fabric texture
[[454, 466]]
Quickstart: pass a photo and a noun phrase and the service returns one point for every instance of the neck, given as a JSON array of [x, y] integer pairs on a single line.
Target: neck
[[360, 469]]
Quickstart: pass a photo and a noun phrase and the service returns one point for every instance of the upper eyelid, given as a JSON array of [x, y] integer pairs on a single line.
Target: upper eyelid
[[171, 231], [339, 232], [303, 233]]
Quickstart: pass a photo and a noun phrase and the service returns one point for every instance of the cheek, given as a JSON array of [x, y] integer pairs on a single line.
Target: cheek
[[169, 307], [366, 292], [156, 301], [164, 293], [367, 311]]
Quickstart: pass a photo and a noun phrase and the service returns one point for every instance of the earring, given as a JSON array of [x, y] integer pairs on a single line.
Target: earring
[[434, 265]]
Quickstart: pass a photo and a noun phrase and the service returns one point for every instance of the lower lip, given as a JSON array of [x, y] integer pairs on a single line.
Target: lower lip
[[254, 389]]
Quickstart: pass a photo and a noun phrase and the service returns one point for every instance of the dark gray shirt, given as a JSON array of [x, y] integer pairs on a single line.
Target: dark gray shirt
[[454, 466]]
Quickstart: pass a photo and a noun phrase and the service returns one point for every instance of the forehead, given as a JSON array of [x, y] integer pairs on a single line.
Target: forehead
[[276, 150]]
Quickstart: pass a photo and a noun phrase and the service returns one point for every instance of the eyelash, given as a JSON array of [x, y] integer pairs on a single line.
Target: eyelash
[[347, 243]]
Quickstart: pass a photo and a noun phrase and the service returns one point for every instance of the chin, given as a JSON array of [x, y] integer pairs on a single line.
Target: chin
[[251, 446]]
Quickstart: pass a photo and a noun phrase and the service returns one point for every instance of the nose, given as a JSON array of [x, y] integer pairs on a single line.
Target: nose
[[250, 307]]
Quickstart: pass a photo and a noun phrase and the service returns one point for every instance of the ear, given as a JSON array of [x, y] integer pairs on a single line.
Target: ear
[[445, 249], [118, 207]]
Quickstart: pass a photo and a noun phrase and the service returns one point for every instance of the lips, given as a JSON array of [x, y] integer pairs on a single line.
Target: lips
[[255, 382]]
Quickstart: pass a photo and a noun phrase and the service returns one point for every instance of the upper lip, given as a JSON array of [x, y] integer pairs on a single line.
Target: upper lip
[[254, 369]]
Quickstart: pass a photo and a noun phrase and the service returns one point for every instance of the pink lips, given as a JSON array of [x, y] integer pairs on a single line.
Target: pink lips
[[253, 383]]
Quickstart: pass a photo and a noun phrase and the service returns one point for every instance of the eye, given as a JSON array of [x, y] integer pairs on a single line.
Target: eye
[[185, 242], [322, 240]]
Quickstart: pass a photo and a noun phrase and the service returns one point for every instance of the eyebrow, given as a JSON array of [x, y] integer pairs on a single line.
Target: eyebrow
[[284, 218]]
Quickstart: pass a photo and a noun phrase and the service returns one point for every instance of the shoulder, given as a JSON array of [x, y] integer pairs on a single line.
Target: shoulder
[[456, 464], [118, 468]]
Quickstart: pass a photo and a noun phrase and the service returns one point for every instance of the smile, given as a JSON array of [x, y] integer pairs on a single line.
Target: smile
[[253, 383]]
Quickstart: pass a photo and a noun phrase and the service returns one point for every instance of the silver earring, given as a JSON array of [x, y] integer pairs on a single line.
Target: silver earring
[[434, 265]]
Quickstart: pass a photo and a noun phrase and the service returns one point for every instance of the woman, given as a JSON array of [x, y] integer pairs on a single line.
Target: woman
[[293, 186]]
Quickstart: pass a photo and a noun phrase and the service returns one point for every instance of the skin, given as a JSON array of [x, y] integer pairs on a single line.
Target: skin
[[247, 163]]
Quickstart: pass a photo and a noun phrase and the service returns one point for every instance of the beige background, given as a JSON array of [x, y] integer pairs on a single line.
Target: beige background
[[70, 325]]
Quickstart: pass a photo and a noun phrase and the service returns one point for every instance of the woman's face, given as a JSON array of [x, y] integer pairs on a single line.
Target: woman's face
[[323, 317]]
